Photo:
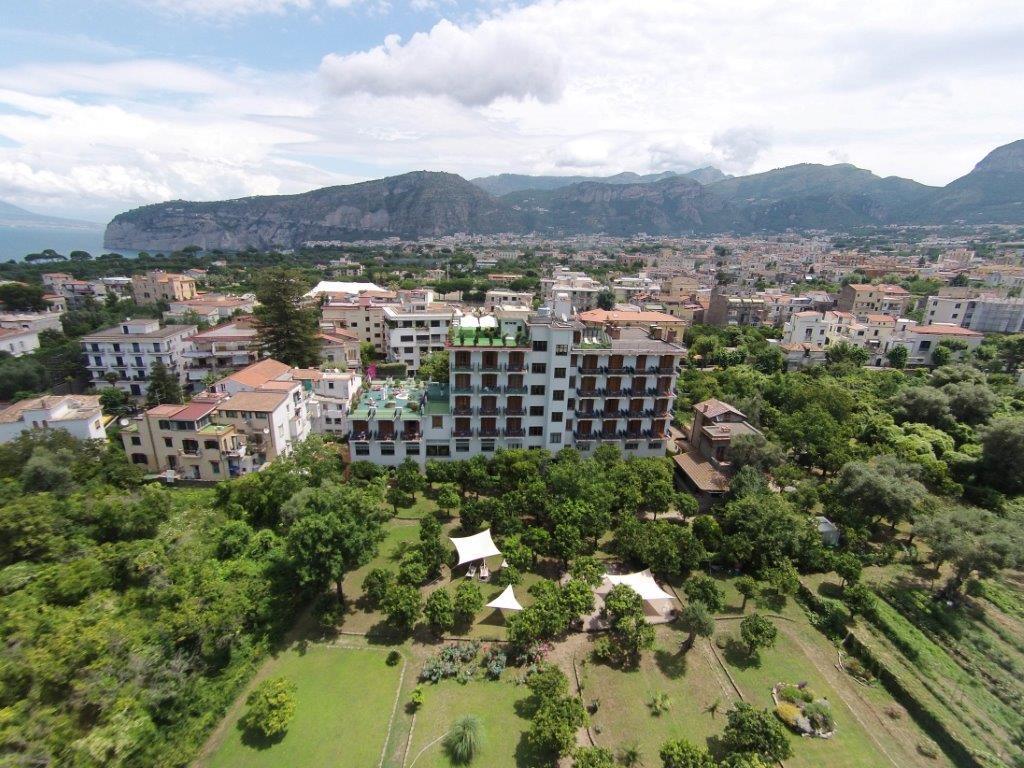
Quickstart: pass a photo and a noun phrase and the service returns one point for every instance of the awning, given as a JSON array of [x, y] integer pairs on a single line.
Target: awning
[[475, 547], [642, 583], [506, 601]]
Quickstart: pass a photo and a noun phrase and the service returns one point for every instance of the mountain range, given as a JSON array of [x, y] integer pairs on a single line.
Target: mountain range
[[427, 204], [13, 216]]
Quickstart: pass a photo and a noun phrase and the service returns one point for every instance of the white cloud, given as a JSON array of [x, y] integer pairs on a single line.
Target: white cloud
[[559, 86], [228, 8], [473, 65]]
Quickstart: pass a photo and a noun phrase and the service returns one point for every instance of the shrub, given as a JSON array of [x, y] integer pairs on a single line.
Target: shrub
[[820, 714], [494, 663], [792, 694], [659, 704], [463, 740], [328, 612], [788, 713], [393, 658], [416, 698], [376, 585], [271, 707]]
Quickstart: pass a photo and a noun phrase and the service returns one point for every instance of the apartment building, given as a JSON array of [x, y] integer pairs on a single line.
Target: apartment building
[[497, 297], [985, 314], [416, 327], [870, 332], [581, 289], [156, 286], [73, 292], [31, 321], [335, 391], [885, 299], [18, 341], [79, 415], [249, 419], [704, 467], [624, 318], [547, 381], [123, 355], [725, 310], [361, 315], [627, 289], [341, 347], [219, 351], [921, 341]]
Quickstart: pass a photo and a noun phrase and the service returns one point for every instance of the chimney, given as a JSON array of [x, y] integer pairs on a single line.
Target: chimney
[[613, 331], [656, 332], [670, 335]]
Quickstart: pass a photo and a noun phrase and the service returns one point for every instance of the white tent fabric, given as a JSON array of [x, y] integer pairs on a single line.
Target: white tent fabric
[[506, 601], [475, 547], [642, 583]]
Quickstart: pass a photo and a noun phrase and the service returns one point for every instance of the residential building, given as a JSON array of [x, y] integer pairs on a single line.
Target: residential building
[[416, 327], [31, 321], [341, 347], [674, 327], [864, 298], [725, 310], [335, 392], [921, 341], [985, 314], [704, 466], [125, 353], [627, 289], [156, 286], [219, 351], [496, 297], [581, 289], [18, 341], [361, 315], [546, 381], [211, 308], [79, 415]]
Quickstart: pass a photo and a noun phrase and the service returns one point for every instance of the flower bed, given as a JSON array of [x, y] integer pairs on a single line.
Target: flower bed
[[798, 707]]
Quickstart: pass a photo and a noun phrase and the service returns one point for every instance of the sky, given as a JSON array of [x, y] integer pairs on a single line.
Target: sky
[[106, 105]]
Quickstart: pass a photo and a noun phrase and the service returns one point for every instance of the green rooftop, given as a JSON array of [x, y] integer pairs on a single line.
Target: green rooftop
[[389, 399]]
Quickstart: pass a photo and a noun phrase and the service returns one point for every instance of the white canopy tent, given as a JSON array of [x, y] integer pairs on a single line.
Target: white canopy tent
[[476, 547], [506, 601], [642, 583]]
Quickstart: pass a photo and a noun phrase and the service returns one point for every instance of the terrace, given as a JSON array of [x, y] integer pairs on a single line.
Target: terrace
[[391, 399]]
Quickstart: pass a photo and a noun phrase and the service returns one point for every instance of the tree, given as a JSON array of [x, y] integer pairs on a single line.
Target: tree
[[941, 356], [971, 402], [287, 327], [887, 489], [757, 632], [754, 450], [408, 477], [440, 611], [46, 471], [1002, 454], [271, 706], [115, 402], [605, 299], [376, 585], [923, 404], [554, 724], [747, 587], [897, 357], [464, 739], [844, 353], [434, 367], [430, 548], [338, 530], [696, 620], [367, 353], [593, 757], [683, 754], [20, 297], [703, 589], [859, 599], [587, 569], [448, 498], [402, 606], [468, 601], [848, 566], [163, 386], [756, 731], [1011, 351], [629, 632]]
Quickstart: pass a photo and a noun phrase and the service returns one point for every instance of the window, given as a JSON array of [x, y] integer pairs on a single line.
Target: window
[[438, 450], [632, 446], [412, 449], [215, 467], [556, 437], [536, 410], [559, 373], [136, 440], [436, 422], [210, 444], [487, 446], [387, 449], [462, 446], [540, 346], [562, 349], [557, 416], [536, 432], [558, 395], [925, 345], [168, 442], [164, 424], [538, 389], [362, 449], [539, 368]]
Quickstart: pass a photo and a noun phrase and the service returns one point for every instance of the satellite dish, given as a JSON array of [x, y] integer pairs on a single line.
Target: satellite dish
[[266, 430], [123, 421]]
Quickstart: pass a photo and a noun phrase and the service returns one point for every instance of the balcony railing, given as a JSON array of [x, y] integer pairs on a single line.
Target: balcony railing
[[462, 410], [462, 432], [515, 411], [510, 390], [490, 411], [489, 432], [515, 432]]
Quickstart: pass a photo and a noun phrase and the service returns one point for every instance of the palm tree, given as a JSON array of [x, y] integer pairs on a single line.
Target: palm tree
[[629, 756], [463, 740]]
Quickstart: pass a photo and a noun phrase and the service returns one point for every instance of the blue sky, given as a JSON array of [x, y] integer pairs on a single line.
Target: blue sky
[[110, 104]]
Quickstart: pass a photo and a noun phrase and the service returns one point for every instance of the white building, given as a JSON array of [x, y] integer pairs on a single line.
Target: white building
[[220, 351], [985, 314], [921, 341], [18, 341], [79, 415], [581, 289], [335, 391], [211, 308], [128, 351], [417, 327], [32, 321]]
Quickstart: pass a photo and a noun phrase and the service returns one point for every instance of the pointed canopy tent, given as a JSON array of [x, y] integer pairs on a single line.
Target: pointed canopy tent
[[506, 601], [642, 583], [475, 547]]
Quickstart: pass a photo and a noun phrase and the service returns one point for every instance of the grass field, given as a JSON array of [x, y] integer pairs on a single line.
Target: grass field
[[345, 699], [496, 703]]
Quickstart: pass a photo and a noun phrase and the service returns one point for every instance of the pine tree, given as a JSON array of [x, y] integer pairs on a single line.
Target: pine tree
[[164, 386], [287, 329]]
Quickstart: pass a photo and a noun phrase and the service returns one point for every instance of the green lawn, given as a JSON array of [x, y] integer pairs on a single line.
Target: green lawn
[[493, 702], [345, 699]]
